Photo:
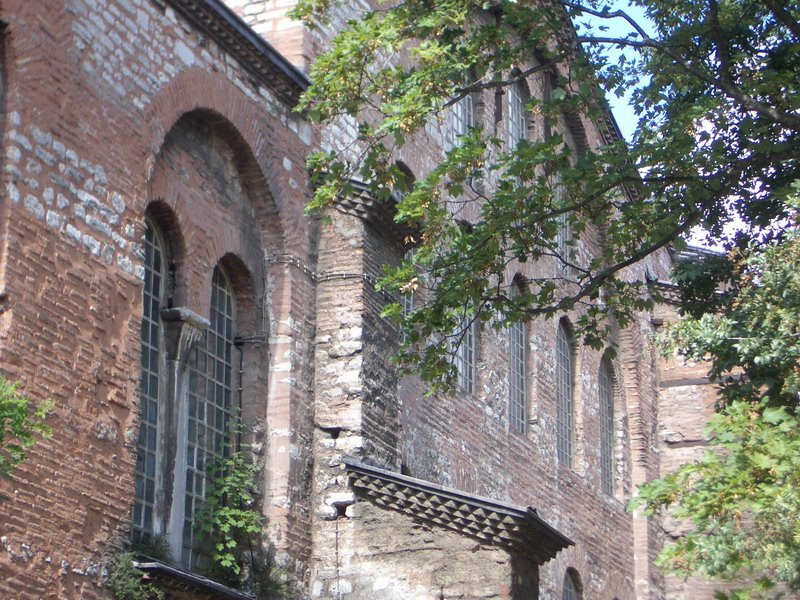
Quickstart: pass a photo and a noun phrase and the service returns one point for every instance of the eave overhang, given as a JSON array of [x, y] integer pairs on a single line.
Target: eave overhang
[[361, 204], [177, 581], [514, 528], [254, 53]]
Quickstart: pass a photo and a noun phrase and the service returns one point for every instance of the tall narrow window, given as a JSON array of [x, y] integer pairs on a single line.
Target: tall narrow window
[[565, 421], [463, 115], [606, 393], [518, 373], [153, 298], [211, 401], [516, 115], [564, 233], [572, 589], [408, 295], [465, 356], [563, 239]]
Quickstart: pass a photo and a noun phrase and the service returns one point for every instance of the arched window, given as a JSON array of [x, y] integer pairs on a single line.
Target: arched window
[[572, 586], [565, 420], [154, 293], [404, 181], [211, 402], [606, 400], [516, 115], [518, 372]]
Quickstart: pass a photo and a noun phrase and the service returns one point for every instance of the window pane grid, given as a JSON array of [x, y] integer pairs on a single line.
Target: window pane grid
[[463, 115], [563, 239], [516, 116], [564, 234], [145, 473], [210, 394], [408, 308], [564, 408], [518, 376], [465, 358], [606, 393]]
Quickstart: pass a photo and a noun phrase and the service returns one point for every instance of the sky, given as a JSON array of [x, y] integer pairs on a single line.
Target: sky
[[618, 27], [624, 113]]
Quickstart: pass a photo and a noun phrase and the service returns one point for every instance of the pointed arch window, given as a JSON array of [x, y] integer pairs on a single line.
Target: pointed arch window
[[606, 401], [518, 372], [565, 419], [153, 299]]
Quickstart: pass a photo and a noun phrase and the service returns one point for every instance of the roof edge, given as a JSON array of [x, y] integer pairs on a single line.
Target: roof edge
[[223, 25]]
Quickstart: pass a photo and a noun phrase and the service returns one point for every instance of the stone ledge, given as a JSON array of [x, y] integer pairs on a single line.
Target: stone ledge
[[488, 520], [183, 584]]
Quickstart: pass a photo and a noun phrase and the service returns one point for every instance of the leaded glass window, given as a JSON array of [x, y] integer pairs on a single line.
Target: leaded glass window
[[516, 115], [465, 356], [606, 397], [210, 404], [565, 420], [518, 379], [152, 299]]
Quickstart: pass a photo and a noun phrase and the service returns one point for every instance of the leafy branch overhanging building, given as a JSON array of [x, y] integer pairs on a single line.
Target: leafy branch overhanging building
[[156, 269]]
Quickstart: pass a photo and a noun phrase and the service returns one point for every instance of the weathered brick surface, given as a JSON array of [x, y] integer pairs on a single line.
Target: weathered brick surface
[[111, 106], [465, 442]]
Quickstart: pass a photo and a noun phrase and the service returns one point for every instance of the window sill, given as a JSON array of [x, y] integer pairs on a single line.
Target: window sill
[[185, 584]]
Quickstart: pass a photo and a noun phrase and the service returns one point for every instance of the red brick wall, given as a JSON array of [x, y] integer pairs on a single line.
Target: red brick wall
[[93, 95]]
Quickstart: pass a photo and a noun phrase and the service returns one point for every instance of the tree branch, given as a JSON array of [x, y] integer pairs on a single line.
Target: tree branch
[[497, 83], [784, 16]]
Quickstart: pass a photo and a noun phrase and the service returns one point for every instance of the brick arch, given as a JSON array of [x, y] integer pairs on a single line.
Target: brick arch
[[244, 292], [196, 90], [203, 158], [169, 226]]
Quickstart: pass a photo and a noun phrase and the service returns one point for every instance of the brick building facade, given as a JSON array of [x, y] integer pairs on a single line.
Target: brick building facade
[[156, 268]]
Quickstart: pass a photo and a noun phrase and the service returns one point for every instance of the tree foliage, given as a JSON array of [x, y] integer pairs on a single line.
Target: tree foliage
[[126, 582], [229, 519], [743, 496], [715, 89], [715, 86], [20, 423]]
